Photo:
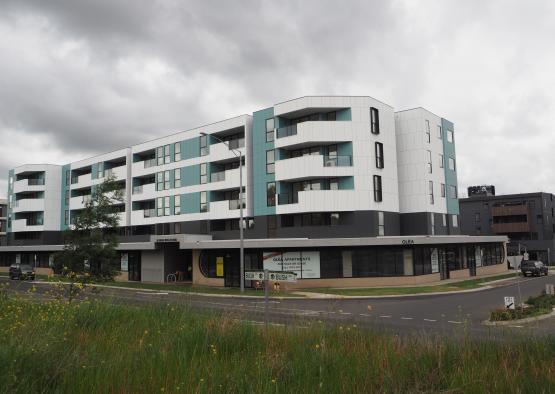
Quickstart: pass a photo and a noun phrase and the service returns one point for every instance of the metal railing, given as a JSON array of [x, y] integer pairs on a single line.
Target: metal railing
[[35, 182], [236, 204], [74, 179], [286, 131], [284, 199], [149, 213], [150, 163], [338, 161], [217, 176], [35, 222]]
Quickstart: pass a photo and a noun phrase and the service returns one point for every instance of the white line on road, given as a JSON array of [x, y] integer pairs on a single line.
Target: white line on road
[[429, 320], [345, 313], [454, 322], [385, 316], [406, 318], [517, 326], [364, 314]]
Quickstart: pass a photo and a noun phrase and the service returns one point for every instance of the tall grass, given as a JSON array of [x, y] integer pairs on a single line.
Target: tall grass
[[94, 347]]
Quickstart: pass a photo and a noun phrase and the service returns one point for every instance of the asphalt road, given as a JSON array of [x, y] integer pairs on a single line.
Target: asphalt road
[[455, 314]]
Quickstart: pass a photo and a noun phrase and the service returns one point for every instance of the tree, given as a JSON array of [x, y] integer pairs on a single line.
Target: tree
[[90, 244]]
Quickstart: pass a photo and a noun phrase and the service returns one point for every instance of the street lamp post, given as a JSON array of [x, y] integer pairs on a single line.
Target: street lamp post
[[241, 223]]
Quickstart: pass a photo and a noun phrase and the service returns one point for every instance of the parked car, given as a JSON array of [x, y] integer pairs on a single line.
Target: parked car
[[22, 271], [533, 267]]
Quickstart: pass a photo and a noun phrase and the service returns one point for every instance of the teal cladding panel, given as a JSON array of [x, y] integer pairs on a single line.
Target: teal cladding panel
[[64, 207], [190, 175], [344, 114], [190, 148], [450, 175], [94, 171], [345, 149], [190, 203], [259, 148]]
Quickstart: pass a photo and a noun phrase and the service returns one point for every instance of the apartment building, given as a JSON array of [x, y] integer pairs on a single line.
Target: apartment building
[[342, 190], [527, 219], [3, 221]]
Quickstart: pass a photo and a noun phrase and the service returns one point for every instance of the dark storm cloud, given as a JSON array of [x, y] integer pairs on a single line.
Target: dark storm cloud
[[81, 77]]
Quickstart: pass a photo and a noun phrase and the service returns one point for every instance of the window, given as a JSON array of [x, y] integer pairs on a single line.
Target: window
[[374, 121], [160, 206], [167, 206], [270, 169], [379, 154], [441, 161], [433, 223], [203, 203], [177, 151], [427, 126], [66, 217], [331, 116], [203, 176], [455, 219], [381, 226], [177, 228], [452, 164], [439, 132], [431, 191], [68, 176], [177, 177], [334, 218], [177, 205], [377, 188], [167, 154], [334, 184], [271, 194], [160, 155], [452, 191], [428, 138], [166, 180], [203, 145], [66, 197], [429, 161], [160, 180], [270, 125], [477, 217], [450, 136], [442, 189], [444, 219], [100, 168]]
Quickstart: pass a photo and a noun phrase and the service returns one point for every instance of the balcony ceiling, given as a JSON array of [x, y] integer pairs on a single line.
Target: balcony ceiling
[[309, 111]]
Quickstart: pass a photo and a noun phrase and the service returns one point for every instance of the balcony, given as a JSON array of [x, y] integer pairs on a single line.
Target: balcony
[[149, 213], [217, 176], [509, 210], [29, 205], [144, 192], [228, 179], [28, 185], [314, 133], [225, 209], [79, 202], [507, 228], [149, 163], [221, 151], [119, 172], [28, 225], [313, 166], [317, 201]]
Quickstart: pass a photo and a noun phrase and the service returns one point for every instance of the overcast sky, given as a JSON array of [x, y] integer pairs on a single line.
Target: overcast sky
[[78, 78]]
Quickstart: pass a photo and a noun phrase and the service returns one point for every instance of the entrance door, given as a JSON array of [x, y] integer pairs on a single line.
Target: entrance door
[[134, 266], [232, 270], [443, 266]]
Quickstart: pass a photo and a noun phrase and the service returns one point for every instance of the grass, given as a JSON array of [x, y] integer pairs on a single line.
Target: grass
[[377, 291], [94, 347], [535, 306]]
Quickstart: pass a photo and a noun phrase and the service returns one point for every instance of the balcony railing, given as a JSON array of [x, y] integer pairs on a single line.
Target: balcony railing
[[338, 161], [35, 182], [74, 180], [138, 189], [149, 213], [286, 131], [150, 163], [86, 198], [35, 222], [236, 204], [217, 176], [236, 144], [284, 199]]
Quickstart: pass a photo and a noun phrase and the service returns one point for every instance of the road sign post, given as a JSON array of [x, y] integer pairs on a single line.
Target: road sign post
[[510, 303], [266, 300]]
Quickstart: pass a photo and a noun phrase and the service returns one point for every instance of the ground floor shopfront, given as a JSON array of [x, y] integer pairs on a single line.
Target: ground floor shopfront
[[339, 262]]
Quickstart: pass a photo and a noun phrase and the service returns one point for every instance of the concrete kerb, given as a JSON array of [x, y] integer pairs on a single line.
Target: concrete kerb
[[518, 321]]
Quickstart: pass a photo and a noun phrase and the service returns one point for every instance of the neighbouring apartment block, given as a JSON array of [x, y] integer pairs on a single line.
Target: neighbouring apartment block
[[341, 190]]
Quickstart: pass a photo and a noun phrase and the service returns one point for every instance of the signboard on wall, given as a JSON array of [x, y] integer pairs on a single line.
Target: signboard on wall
[[435, 261], [219, 266], [305, 264], [124, 262]]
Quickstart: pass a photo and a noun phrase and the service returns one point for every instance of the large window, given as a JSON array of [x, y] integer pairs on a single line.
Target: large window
[[177, 205], [167, 154], [160, 180], [452, 164], [381, 224], [203, 173], [203, 145], [379, 154], [377, 188], [442, 190], [441, 161], [160, 206], [166, 180], [270, 125], [431, 191], [439, 132], [177, 151], [270, 160], [160, 155], [167, 206], [452, 191], [374, 121], [203, 202], [450, 136], [177, 177], [271, 194]]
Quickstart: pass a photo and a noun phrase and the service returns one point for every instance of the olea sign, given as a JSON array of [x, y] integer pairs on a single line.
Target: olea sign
[[305, 264]]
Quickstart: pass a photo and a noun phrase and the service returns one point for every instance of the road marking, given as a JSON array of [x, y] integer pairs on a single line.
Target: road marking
[[364, 314], [345, 313], [454, 322], [429, 320], [517, 326], [385, 316], [406, 318]]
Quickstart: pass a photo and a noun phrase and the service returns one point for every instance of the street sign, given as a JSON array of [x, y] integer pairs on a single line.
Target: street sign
[[510, 302], [283, 276], [254, 275]]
